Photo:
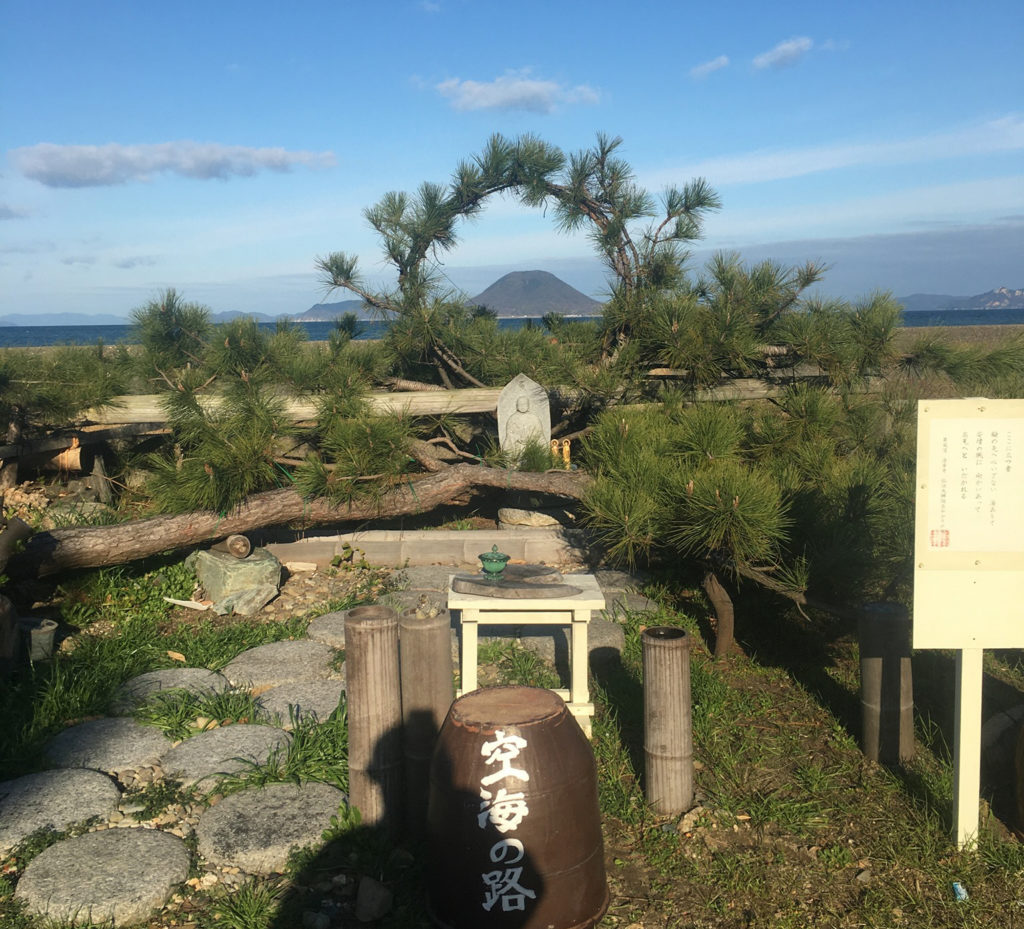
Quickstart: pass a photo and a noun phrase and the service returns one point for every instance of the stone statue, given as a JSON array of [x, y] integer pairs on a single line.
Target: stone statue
[[524, 415]]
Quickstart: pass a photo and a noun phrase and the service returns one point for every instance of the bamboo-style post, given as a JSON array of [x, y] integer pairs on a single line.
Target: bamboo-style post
[[668, 724], [428, 689], [886, 683], [374, 715]]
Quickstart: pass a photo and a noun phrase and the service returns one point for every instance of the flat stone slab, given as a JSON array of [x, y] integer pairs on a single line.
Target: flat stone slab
[[511, 588], [109, 745], [255, 829], [276, 663], [221, 751], [304, 700], [53, 800], [118, 876], [133, 693], [328, 629]]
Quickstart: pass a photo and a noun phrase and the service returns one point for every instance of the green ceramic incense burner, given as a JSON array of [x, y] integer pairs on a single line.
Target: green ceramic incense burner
[[493, 563]]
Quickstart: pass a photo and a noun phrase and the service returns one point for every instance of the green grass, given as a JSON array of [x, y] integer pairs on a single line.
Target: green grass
[[180, 714], [317, 751]]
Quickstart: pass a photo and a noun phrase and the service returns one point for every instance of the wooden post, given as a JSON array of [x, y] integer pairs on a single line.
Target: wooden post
[[8, 637], [970, 676], [374, 715], [886, 684], [668, 724], [428, 689], [237, 545]]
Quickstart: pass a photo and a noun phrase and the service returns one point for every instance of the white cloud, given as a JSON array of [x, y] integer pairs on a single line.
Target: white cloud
[[784, 54], [10, 212], [1001, 135], [136, 261], [107, 165], [514, 90], [78, 260], [428, 6], [709, 67]]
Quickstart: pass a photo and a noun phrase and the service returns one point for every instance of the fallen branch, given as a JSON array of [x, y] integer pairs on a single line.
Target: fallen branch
[[95, 546]]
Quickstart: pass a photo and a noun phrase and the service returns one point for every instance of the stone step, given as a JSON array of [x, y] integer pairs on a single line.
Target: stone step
[[118, 876]]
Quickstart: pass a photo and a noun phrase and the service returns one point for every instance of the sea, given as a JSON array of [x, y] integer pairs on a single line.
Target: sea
[[36, 336]]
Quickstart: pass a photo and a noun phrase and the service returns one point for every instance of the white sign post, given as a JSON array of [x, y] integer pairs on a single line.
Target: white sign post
[[969, 559]]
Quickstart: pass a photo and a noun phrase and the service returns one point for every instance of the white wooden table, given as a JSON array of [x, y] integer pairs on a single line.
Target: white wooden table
[[572, 612]]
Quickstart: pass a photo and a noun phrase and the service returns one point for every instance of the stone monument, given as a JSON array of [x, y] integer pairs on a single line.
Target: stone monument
[[524, 415]]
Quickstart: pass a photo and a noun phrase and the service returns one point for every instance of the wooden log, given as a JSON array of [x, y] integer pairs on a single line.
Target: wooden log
[[8, 637], [428, 690], [374, 715], [886, 684], [668, 726], [94, 546], [237, 545], [147, 408]]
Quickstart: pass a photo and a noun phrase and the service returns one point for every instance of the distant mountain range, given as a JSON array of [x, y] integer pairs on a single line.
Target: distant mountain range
[[519, 294], [1002, 298]]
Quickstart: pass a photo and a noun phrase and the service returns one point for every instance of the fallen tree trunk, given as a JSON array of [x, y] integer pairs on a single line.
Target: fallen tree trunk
[[95, 546]]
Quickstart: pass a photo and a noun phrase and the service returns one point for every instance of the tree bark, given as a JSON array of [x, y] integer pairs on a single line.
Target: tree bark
[[94, 546], [721, 602]]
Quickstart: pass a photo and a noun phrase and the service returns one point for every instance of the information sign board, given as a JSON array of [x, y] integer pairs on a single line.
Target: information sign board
[[969, 532], [969, 560]]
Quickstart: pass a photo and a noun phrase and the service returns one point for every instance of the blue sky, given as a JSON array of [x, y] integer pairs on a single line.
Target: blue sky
[[219, 147]]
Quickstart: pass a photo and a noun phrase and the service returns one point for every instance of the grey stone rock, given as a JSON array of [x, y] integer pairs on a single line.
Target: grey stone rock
[[373, 900], [107, 745], [328, 629], [512, 516], [134, 692], [222, 573], [617, 580], [255, 829], [53, 800], [618, 602], [119, 876], [302, 700], [228, 750], [276, 663], [246, 602]]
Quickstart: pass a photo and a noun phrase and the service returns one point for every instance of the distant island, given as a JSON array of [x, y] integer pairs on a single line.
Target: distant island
[[515, 295], [1002, 298]]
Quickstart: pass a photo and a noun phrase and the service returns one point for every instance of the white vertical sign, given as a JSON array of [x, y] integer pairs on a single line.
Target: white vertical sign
[[969, 558]]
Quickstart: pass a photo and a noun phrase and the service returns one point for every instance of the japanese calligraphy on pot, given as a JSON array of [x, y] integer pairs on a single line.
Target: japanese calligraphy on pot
[[503, 809]]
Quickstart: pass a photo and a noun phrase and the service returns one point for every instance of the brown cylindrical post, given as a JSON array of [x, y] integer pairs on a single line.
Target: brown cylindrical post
[[886, 683], [374, 715], [668, 723], [428, 689]]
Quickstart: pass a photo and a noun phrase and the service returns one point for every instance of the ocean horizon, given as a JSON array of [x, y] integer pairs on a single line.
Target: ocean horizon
[[40, 336]]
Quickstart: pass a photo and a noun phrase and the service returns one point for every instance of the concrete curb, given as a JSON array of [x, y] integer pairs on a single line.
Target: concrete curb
[[395, 547]]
